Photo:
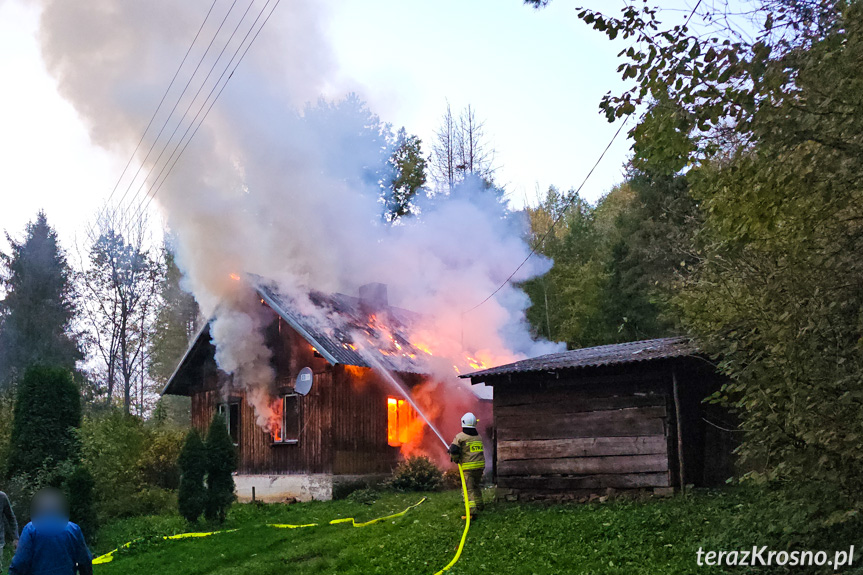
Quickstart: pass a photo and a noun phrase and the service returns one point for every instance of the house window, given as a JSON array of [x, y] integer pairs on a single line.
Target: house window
[[286, 428], [400, 421], [231, 413]]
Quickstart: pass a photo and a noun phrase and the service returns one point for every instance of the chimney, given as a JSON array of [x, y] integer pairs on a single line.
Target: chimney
[[373, 297]]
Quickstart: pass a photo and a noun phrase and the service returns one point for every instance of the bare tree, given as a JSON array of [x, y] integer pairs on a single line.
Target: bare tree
[[461, 149], [120, 287]]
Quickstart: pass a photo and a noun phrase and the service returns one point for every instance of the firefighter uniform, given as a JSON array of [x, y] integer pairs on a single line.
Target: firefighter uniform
[[467, 450]]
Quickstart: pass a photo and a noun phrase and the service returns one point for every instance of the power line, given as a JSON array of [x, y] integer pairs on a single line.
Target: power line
[[177, 103], [554, 223], [242, 56], [145, 202], [150, 123], [574, 196]]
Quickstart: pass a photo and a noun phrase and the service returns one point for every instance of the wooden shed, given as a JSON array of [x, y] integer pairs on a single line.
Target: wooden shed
[[627, 416], [349, 426]]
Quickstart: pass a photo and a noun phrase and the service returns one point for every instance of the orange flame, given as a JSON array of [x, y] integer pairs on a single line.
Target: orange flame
[[235, 277]]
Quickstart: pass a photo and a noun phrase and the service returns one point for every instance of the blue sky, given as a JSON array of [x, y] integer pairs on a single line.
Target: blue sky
[[534, 77]]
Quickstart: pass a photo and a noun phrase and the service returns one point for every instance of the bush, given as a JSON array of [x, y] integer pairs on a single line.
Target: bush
[[79, 487], [133, 463], [451, 479], [366, 496], [416, 473], [221, 464], [192, 496], [158, 461]]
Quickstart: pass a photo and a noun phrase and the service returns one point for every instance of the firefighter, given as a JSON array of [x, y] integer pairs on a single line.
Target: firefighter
[[466, 450]]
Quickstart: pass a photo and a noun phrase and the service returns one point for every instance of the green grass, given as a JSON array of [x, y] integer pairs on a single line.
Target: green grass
[[625, 537]]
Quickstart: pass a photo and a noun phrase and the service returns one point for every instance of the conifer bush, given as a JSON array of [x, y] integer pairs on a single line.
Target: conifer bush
[[221, 464], [192, 496]]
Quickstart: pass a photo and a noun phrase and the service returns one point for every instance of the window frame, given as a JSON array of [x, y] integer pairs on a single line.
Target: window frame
[[284, 399], [224, 408]]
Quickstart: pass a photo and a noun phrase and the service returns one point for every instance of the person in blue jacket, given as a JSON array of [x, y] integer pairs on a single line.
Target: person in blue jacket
[[50, 543]]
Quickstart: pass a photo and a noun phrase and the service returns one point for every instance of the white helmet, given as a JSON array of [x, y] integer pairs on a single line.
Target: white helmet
[[469, 420]]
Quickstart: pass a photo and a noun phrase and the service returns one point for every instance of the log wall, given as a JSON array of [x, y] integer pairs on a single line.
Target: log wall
[[556, 437], [342, 420]]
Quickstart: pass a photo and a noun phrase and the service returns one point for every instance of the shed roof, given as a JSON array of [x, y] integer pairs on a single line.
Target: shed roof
[[615, 354]]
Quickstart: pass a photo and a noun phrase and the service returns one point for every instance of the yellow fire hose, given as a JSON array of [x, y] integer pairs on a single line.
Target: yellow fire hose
[[466, 524], [108, 557]]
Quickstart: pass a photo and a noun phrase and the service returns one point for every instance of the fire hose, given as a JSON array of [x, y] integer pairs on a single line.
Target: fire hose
[[108, 557]]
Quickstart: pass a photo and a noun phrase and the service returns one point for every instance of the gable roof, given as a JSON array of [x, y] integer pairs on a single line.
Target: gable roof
[[333, 330], [615, 354]]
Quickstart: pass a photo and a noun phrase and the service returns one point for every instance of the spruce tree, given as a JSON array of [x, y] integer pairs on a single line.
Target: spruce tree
[[47, 413], [36, 314], [221, 463], [192, 496]]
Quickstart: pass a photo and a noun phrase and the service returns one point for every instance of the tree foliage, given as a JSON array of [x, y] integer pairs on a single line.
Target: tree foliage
[[120, 287], [221, 464], [47, 413], [610, 273], [769, 133], [39, 307], [408, 176]]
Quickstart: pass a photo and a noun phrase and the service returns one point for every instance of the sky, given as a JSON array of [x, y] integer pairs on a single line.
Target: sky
[[534, 77]]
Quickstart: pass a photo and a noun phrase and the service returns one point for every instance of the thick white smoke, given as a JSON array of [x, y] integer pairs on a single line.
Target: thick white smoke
[[262, 189]]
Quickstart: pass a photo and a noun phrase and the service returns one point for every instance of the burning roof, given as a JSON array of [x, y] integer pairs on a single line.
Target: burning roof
[[349, 330], [343, 329]]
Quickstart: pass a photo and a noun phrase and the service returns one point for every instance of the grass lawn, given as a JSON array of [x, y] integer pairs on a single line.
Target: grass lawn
[[626, 537]]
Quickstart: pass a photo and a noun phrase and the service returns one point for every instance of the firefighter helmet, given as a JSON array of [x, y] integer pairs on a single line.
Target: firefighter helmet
[[469, 420]]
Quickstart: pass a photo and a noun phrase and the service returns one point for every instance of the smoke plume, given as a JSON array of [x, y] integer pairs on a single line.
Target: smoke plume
[[273, 186]]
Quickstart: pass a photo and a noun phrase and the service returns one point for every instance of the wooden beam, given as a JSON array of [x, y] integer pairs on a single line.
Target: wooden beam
[[677, 412], [585, 465], [594, 482], [581, 447]]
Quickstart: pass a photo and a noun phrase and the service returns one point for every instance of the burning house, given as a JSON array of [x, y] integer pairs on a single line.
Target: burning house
[[628, 416], [334, 411]]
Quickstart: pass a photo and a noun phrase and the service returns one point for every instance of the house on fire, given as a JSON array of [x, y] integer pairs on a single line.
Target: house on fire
[[348, 425], [624, 416]]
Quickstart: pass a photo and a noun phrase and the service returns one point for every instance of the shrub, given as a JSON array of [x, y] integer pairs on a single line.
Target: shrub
[[343, 489], [366, 496], [79, 487], [47, 411], [416, 473], [158, 461], [451, 479], [221, 464], [192, 496]]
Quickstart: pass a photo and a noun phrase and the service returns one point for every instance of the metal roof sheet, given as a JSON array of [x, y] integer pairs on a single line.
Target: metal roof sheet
[[615, 354]]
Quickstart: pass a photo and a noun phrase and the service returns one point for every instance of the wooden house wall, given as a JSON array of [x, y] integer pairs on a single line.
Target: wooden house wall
[[343, 420], [554, 437], [360, 423]]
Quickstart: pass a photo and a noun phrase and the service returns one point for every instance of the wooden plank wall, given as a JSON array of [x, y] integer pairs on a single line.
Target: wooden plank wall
[[343, 419], [360, 423], [558, 438]]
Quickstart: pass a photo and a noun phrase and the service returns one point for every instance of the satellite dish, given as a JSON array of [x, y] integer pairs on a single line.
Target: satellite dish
[[304, 381]]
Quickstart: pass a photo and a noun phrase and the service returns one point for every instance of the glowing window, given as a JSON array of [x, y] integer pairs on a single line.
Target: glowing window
[[286, 423], [400, 421]]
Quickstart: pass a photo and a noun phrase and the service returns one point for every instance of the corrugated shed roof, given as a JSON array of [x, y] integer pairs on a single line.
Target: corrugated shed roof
[[615, 354]]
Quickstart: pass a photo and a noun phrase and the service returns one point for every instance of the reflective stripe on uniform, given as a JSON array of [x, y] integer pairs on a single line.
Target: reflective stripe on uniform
[[473, 465]]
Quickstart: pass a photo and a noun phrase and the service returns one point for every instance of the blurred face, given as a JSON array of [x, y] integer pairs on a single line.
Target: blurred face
[[49, 503]]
